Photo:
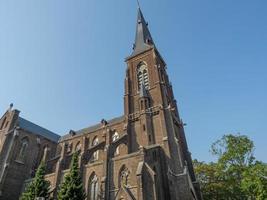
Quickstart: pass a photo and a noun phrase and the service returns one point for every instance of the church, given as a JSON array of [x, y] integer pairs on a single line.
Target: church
[[141, 155]]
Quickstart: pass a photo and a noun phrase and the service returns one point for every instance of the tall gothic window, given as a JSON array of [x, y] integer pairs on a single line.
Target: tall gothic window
[[115, 137], [93, 188], [23, 150], [142, 75], [96, 153]]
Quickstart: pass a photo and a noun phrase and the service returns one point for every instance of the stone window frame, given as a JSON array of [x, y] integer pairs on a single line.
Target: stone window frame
[[123, 176], [93, 187], [95, 155], [142, 75], [69, 147], [78, 146], [115, 137], [24, 144]]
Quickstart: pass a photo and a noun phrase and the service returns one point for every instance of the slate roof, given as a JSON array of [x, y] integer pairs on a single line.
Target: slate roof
[[93, 128], [143, 38], [38, 130]]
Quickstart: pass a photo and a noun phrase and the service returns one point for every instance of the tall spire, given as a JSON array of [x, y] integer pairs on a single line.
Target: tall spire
[[143, 38]]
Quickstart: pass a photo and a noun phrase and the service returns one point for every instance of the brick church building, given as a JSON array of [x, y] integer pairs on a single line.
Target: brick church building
[[141, 155]]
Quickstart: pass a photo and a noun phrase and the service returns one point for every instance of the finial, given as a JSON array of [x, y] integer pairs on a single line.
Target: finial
[[138, 3], [72, 132], [104, 122], [10, 107]]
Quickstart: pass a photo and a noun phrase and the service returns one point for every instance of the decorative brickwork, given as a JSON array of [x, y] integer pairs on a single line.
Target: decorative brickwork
[[142, 155]]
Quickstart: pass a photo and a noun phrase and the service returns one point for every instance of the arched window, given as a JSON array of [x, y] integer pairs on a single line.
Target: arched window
[[78, 147], [69, 148], [93, 187], [117, 151], [95, 142], [96, 153], [23, 149], [123, 176], [142, 75], [115, 137]]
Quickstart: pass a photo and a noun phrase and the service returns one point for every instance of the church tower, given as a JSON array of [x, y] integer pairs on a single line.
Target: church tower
[[141, 155], [152, 114]]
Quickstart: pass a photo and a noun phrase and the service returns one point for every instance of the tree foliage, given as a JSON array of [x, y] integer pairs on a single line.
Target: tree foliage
[[72, 186], [236, 175], [38, 187], [254, 182]]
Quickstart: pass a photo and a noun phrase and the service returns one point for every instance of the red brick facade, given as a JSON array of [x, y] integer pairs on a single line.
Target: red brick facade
[[142, 155]]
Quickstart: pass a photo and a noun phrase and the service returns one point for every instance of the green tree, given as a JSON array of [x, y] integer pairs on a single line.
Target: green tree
[[212, 186], [254, 182], [236, 175], [38, 187], [234, 150], [72, 186], [235, 156]]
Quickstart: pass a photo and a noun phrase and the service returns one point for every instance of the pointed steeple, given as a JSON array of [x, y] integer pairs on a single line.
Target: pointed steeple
[[143, 38]]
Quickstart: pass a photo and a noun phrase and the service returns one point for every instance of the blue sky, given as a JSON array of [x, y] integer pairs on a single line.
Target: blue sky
[[62, 63]]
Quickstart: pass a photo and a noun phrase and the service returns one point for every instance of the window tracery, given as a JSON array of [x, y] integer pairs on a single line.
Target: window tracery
[[93, 188], [142, 75], [115, 137], [124, 176], [96, 153]]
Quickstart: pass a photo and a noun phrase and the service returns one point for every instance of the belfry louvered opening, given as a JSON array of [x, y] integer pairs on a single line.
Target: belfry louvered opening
[[142, 75]]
